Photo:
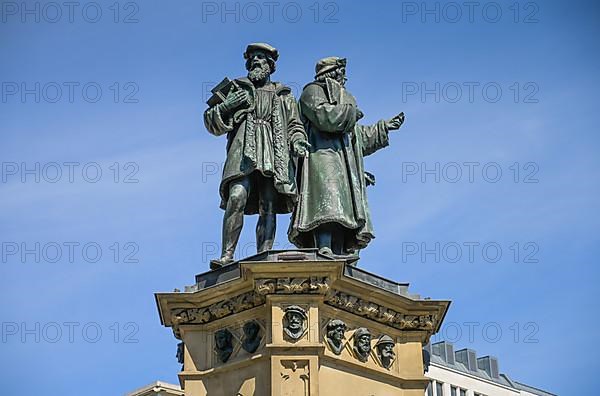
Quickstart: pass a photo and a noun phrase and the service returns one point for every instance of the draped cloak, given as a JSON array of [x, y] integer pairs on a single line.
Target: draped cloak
[[331, 180]]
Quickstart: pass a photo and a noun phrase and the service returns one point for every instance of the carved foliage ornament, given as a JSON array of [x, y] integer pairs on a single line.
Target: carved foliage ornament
[[313, 284], [380, 313], [217, 310]]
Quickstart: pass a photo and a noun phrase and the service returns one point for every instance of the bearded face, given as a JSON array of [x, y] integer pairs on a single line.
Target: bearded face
[[364, 343], [339, 75], [259, 68], [387, 351]]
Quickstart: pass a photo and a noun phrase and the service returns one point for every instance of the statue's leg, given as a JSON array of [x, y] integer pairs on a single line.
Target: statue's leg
[[337, 239], [233, 220], [323, 238], [267, 219]]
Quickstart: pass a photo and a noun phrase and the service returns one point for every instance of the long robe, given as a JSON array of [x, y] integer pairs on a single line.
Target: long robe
[[331, 179], [259, 139]]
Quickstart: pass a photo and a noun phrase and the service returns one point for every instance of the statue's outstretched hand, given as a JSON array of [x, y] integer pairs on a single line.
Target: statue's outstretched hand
[[300, 148], [396, 122], [359, 114], [369, 179]]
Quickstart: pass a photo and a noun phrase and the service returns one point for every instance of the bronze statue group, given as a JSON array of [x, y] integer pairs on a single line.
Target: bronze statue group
[[302, 157]]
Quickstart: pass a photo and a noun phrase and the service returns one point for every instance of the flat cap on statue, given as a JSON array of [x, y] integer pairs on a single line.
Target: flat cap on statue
[[330, 63], [269, 49]]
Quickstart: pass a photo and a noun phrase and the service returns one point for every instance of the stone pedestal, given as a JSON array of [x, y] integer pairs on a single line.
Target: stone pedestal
[[267, 325]]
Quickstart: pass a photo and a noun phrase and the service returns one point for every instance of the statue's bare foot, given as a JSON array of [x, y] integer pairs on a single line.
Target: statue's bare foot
[[326, 250], [218, 263]]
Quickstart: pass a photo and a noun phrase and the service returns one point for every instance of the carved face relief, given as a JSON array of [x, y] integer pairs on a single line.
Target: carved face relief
[[386, 354], [335, 335], [251, 336], [223, 344], [294, 322], [362, 344], [387, 350]]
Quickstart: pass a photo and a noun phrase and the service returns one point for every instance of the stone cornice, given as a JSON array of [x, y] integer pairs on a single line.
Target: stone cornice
[[380, 313]]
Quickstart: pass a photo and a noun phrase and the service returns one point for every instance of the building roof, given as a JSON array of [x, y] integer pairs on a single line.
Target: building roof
[[157, 388], [531, 389], [479, 373], [486, 368]]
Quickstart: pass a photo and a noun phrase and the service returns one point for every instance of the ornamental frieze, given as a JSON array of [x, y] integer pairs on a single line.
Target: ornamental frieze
[[380, 313], [217, 310], [313, 284]]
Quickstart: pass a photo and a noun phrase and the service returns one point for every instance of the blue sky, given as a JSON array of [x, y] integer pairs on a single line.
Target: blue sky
[[513, 92]]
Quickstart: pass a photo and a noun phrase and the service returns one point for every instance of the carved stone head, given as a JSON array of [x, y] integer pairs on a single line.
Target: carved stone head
[[251, 336], [335, 335], [385, 350], [362, 343], [179, 355], [294, 322], [223, 344]]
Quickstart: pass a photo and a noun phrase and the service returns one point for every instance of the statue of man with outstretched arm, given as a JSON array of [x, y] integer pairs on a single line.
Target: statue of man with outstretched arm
[[332, 213]]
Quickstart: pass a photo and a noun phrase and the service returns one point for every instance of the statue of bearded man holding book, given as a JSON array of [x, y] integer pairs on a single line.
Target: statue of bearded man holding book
[[264, 136]]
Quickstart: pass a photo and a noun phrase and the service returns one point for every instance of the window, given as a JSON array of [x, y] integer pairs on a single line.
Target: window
[[453, 391], [463, 392], [439, 389], [429, 391]]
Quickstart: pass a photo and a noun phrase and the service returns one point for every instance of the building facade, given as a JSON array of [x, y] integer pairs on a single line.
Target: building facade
[[452, 373], [462, 373]]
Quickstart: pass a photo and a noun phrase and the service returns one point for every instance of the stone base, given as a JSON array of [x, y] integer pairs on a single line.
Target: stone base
[[288, 299]]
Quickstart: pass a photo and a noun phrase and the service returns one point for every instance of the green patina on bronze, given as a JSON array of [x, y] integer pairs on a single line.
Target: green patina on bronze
[[285, 157], [264, 133], [332, 212]]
